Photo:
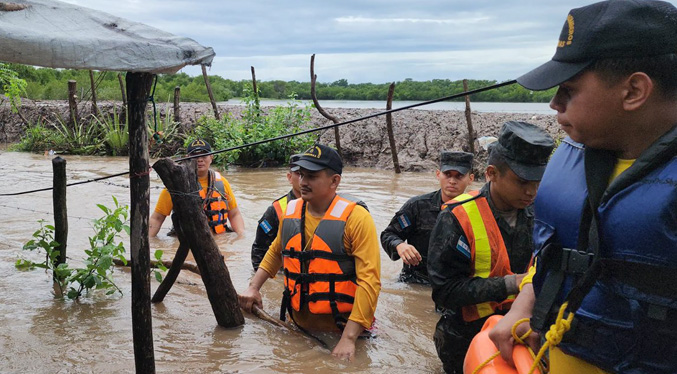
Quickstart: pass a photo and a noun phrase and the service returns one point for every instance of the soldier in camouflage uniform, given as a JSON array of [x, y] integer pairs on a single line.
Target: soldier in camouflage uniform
[[414, 221], [466, 290]]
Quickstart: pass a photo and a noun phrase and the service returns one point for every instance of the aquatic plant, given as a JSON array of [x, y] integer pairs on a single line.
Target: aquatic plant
[[38, 137], [78, 138], [114, 133], [256, 125], [104, 246]]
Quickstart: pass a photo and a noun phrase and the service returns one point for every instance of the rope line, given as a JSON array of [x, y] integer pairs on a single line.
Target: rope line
[[322, 128]]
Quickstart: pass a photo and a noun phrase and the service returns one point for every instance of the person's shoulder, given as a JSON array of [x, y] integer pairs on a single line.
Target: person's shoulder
[[421, 199]]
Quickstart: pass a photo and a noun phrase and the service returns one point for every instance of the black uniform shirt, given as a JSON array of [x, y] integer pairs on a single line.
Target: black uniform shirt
[[266, 231]]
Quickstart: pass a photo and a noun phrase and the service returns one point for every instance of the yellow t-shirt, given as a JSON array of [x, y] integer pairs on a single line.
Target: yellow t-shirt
[[164, 204], [560, 362], [361, 242]]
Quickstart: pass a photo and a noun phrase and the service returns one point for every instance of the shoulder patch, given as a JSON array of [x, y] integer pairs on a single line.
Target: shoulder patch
[[404, 221], [265, 226], [463, 247]]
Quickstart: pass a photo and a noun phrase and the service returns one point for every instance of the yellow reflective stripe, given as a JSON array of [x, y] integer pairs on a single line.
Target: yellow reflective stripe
[[283, 204], [482, 247], [482, 250], [463, 197]]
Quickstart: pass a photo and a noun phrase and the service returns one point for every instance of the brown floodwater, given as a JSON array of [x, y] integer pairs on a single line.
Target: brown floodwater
[[42, 334]]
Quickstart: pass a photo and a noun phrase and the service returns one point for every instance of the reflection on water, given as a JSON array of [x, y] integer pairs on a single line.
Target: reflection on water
[[42, 334]]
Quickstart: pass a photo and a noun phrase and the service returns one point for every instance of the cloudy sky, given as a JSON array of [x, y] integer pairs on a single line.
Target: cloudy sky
[[362, 41]]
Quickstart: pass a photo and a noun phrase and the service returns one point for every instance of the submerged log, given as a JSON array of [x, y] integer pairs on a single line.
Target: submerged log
[[181, 181], [166, 263], [177, 264]]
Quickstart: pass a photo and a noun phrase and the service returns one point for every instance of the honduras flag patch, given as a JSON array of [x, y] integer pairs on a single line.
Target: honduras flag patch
[[265, 226], [404, 221], [463, 247]]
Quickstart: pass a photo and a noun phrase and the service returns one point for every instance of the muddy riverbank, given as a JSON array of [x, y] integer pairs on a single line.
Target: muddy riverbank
[[420, 134]]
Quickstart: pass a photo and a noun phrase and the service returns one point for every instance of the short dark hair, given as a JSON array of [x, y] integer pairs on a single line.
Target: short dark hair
[[661, 69], [497, 159]]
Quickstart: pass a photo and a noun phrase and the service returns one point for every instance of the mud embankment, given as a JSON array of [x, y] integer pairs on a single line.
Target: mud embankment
[[420, 134]]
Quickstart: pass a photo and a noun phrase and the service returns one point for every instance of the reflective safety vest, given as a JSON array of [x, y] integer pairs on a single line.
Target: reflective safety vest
[[216, 205], [323, 275], [488, 254]]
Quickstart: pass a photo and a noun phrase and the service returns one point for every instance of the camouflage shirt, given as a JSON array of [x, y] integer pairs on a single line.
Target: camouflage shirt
[[450, 269], [413, 224]]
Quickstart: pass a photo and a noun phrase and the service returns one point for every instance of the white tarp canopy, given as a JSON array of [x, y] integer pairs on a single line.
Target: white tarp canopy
[[60, 35]]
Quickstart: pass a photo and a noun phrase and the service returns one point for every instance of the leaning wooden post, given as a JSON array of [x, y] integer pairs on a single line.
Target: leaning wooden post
[[182, 181], [313, 79], [122, 89], [60, 209], [468, 118], [177, 101], [177, 263], [257, 101], [95, 108], [138, 89], [72, 104], [209, 91], [389, 126]]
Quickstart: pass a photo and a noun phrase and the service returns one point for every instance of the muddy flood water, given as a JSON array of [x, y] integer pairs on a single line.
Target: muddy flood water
[[42, 334]]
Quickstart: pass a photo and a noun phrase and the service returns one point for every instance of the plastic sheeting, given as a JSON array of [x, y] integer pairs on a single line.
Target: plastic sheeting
[[60, 35]]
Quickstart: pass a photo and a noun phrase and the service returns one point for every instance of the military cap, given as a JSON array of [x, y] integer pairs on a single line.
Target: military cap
[[319, 157], [459, 161], [526, 149], [292, 160], [198, 145]]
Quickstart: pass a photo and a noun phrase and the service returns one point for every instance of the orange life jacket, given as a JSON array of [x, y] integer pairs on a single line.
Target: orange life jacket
[[216, 205], [488, 255], [322, 276]]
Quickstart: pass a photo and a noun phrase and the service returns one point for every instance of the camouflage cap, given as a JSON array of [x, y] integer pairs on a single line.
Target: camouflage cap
[[292, 160], [526, 148], [459, 161]]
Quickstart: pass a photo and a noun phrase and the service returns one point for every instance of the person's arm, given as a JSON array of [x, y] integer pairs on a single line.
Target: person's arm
[[155, 223], [400, 228], [236, 221], [450, 269], [501, 334], [266, 231], [361, 233], [345, 349], [252, 295]]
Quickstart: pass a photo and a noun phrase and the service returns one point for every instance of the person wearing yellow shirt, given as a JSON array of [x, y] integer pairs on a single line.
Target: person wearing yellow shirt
[[605, 228], [218, 199], [329, 251]]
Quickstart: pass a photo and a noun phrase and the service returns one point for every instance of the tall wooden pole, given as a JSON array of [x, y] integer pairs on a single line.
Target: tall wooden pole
[[177, 103], [95, 108], [468, 118], [313, 79], [209, 91], [122, 89], [389, 126], [257, 101], [138, 89], [60, 209], [72, 104]]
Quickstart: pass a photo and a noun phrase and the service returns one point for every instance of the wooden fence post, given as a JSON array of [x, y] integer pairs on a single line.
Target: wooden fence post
[[313, 79], [468, 119], [177, 101], [72, 104], [138, 89], [95, 108], [122, 89], [193, 230], [389, 126], [209, 91], [60, 209]]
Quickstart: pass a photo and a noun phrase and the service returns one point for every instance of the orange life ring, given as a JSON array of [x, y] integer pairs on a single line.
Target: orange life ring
[[481, 348]]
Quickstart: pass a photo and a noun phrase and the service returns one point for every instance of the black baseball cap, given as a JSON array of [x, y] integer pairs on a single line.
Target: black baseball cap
[[319, 157], [198, 145], [608, 29], [525, 147], [459, 161], [292, 160]]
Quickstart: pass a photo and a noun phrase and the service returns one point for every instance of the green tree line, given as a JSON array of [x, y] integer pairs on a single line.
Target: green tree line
[[51, 84]]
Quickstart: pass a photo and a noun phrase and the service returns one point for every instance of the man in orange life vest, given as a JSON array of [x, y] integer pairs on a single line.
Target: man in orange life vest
[[481, 244], [330, 252], [218, 199], [266, 231]]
